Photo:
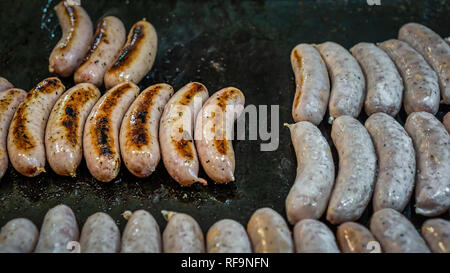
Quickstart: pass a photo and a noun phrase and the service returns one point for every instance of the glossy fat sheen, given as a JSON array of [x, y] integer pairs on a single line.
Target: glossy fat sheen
[[59, 228], [108, 40], [139, 144], [434, 49], [384, 83], [5, 84], [436, 233], [214, 132], [432, 145], [396, 162], [101, 132], [420, 81], [312, 84], [312, 236], [396, 233], [100, 234], [18, 236], [446, 122], [269, 232], [182, 234], [141, 234], [77, 36], [64, 133], [356, 176], [355, 238], [227, 236], [308, 197], [137, 56], [26, 147], [176, 133], [347, 80], [9, 101]]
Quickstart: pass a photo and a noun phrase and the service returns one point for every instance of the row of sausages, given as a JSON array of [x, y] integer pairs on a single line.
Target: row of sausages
[[267, 232], [52, 124], [380, 159], [103, 57], [414, 69]]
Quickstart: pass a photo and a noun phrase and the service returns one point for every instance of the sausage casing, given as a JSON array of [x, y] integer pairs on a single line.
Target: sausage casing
[[420, 81], [396, 162], [308, 197], [176, 133], [434, 49], [436, 233], [446, 121], [58, 229], [19, 235], [432, 144], [101, 131], [384, 83], [141, 234], [137, 56], [5, 84], [356, 177], [213, 133], [26, 147], [77, 31], [312, 84], [9, 101], [269, 233], [139, 144], [182, 234], [100, 234], [228, 236], [64, 132], [396, 233], [355, 238], [347, 80], [108, 40], [313, 236]]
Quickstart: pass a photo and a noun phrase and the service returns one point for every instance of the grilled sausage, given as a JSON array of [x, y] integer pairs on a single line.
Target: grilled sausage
[[312, 236], [436, 233], [227, 236], [356, 176], [308, 197], [141, 234], [108, 40], [101, 131], [100, 234], [176, 133], [64, 133], [347, 81], [396, 233], [182, 234], [355, 238], [420, 81], [27, 130], [136, 58], [446, 121], [5, 84], [432, 145], [396, 162], [77, 36], [59, 228], [384, 83], [213, 133], [139, 144], [18, 236], [269, 232], [312, 84], [9, 101], [434, 49]]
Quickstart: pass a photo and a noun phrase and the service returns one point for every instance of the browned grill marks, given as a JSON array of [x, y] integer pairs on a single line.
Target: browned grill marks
[[4, 103], [100, 35], [298, 95], [221, 146], [130, 51], [72, 14], [184, 148], [195, 89]]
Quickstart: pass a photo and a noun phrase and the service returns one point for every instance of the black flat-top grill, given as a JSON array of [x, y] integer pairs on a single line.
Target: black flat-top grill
[[245, 44]]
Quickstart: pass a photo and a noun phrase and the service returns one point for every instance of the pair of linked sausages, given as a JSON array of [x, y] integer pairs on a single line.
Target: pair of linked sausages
[[102, 57], [414, 69], [51, 123]]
